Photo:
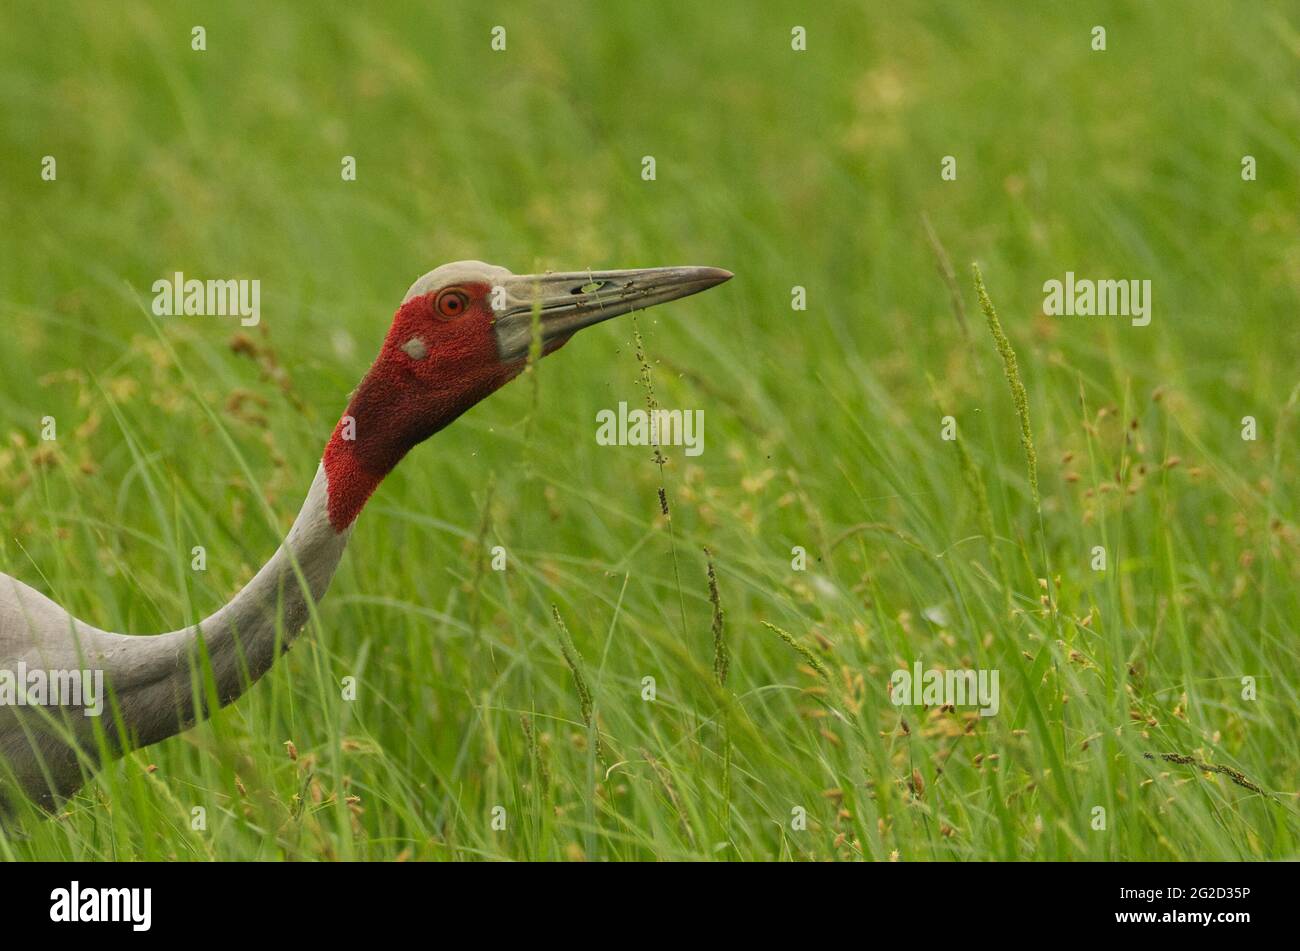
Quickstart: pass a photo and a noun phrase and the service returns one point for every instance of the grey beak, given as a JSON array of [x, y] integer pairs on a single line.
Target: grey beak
[[565, 302]]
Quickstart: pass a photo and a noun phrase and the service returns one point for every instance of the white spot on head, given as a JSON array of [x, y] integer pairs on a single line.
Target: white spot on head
[[458, 272], [415, 349]]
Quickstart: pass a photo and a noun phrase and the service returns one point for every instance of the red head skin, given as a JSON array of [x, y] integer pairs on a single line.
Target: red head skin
[[406, 397]]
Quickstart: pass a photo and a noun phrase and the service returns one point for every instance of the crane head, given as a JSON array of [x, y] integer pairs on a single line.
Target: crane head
[[464, 330], [471, 320]]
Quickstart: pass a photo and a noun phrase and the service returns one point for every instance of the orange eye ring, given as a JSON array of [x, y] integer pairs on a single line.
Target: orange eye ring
[[451, 304]]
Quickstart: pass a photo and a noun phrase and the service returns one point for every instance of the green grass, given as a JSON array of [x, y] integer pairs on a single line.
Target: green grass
[[822, 427]]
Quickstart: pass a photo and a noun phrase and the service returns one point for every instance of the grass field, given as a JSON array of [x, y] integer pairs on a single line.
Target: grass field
[[823, 427]]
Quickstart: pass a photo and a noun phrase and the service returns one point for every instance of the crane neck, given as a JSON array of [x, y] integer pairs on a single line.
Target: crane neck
[[276, 604], [242, 638]]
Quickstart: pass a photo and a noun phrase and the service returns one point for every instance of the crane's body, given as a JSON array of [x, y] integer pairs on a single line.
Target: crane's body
[[462, 331]]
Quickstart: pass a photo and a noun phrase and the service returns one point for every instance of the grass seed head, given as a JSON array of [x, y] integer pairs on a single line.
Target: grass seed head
[[721, 658], [574, 661], [802, 649], [1012, 370]]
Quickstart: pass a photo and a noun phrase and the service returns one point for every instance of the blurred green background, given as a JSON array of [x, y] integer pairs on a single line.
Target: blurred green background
[[789, 168]]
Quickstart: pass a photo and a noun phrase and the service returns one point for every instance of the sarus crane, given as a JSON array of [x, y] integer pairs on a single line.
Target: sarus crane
[[462, 331]]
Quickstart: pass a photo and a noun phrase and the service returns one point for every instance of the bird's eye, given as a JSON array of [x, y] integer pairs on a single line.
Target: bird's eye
[[451, 304]]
